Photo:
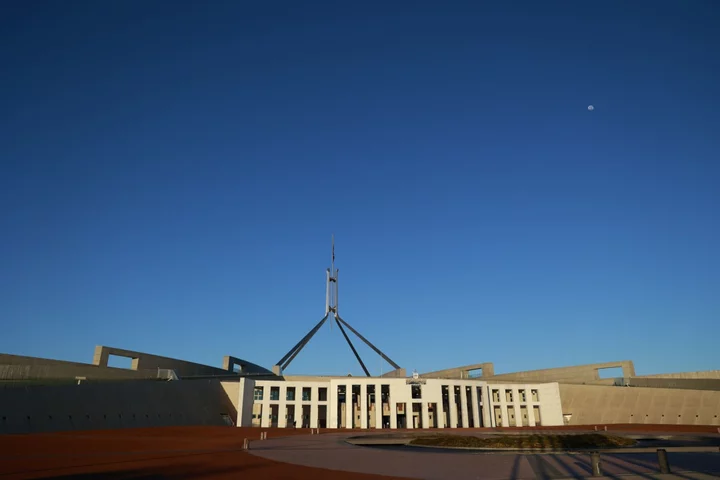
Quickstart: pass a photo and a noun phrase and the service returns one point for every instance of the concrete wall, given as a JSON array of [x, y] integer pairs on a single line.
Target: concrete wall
[[147, 361], [246, 387], [710, 374], [18, 367], [90, 406], [229, 364], [232, 390], [487, 368], [596, 404], [661, 382], [577, 374]]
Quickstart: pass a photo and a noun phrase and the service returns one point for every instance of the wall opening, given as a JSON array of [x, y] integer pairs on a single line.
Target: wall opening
[[432, 415], [475, 373], [305, 416], [322, 416], [613, 372], [470, 410], [117, 361]]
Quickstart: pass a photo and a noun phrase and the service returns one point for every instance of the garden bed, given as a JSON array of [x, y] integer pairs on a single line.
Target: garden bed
[[540, 442]]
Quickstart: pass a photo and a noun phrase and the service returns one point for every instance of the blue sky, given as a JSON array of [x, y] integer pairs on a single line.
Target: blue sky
[[171, 174]]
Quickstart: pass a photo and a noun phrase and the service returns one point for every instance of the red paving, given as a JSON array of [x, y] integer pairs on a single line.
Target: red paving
[[158, 453], [216, 452]]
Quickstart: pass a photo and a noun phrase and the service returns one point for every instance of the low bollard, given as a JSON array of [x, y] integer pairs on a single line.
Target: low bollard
[[663, 461], [246, 444], [606, 428], [595, 462], [596, 428]]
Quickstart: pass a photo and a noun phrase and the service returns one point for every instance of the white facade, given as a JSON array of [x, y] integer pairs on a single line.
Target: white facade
[[377, 402]]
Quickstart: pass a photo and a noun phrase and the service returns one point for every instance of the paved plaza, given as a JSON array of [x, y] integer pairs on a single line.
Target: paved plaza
[[330, 450]]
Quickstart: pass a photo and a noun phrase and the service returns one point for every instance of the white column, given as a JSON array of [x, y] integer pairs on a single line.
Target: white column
[[393, 408], [332, 410], [517, 405], [378, 408], [265, 411], [282, 409], [409, 415], [487, 406], [475, 407], [348, 406], [453, 407], [363, 406], [425, 413], [503, 409], [464, 405], [314, 406], [440, 411], [530, 404]]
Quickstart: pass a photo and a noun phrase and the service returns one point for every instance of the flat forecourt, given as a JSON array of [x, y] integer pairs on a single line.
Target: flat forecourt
[[158, 453]]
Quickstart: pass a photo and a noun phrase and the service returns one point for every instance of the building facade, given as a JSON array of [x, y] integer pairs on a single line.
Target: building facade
[[378, 402]]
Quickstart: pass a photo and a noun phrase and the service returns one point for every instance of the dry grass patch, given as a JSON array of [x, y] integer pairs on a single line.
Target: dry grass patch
[[590, 440]]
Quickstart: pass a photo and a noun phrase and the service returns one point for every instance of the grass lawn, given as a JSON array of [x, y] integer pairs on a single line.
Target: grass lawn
[[590, 440]]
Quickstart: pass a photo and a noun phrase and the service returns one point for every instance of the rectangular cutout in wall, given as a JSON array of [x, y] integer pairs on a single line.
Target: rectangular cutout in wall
[[614, 372], [117, 361]]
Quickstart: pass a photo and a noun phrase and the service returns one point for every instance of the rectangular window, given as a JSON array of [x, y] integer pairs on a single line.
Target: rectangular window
[[523, 396], [306, 395], [385, 395], [274, 393], [290, 395], [258, 393], [508, 396], [341, 390], [416, 391], [534, 394], [322, 394], [496, 396]]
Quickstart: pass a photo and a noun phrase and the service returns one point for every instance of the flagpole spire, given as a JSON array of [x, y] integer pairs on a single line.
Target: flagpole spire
[[331, 308], [331, 297]]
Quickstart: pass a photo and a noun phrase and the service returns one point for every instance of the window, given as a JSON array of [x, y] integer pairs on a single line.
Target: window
[[258, 393], [274, 393], [508, 395], [290, 395], [523, 397], [341, 393], [306, 394], [496, 396], [322, 394], [534, 394], [416, 391]]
